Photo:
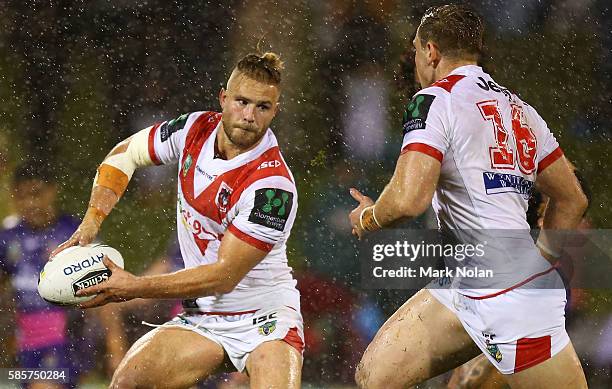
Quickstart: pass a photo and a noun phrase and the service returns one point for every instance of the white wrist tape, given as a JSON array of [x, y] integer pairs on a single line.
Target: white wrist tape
[[547, 249], [136, 155]]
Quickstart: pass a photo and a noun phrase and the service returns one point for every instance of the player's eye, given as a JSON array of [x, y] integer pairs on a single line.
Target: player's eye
[[263, 107], [242, 101]]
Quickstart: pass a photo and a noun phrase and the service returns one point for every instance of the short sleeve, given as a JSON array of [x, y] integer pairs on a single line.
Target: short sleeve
[[167, 139], [425, 125], [265, 212], [548, 147]]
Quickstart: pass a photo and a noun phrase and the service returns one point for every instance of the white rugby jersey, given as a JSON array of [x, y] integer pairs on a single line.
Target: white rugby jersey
[[252, 196], [491, 146]]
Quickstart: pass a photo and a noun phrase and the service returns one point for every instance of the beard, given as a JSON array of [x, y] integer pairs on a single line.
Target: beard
[[243, 136]]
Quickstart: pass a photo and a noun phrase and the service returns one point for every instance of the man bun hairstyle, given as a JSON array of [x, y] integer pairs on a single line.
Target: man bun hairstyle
[[457, 30], [264, 67]]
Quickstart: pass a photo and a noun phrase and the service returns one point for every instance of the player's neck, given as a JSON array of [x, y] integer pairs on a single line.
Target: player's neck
[[226, 149], [447, 67]]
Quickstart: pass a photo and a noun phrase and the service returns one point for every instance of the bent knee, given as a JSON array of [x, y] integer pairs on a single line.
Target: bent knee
[[367, 376]]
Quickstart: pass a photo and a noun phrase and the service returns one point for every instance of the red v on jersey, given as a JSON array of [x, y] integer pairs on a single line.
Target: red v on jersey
[[212, 186]]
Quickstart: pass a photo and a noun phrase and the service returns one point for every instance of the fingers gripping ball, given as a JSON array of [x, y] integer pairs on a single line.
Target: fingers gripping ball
[[73, 269]]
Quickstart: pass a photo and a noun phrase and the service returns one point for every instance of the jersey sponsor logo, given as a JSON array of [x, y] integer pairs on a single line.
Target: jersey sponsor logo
[[223, 196], [195, 224], [274, 163], [503, 183], [272, 207], [174, 125], [209, 177], [490, 85], [416, 113], [264, 318]]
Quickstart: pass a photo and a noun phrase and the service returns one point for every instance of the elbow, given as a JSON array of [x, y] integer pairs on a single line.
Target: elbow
[[582, 203], [413, 209], [225, 285]]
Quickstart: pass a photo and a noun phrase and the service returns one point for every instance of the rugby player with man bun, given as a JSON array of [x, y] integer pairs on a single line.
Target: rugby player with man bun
[[237, 202], [473, 150]]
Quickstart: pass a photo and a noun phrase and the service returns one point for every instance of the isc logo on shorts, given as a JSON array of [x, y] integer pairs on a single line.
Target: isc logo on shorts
[[267, 327]]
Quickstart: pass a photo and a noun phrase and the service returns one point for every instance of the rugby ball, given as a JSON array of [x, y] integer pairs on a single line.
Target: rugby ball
[[73, 269]]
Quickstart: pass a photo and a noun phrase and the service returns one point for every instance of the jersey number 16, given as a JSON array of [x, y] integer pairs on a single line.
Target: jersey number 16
[[504, 154]]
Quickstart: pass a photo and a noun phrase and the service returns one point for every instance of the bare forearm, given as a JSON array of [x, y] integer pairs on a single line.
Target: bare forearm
[[563, 215], [205, 280]]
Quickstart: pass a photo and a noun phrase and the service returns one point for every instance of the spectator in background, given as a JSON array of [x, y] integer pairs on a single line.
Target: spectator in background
[[41, 330]]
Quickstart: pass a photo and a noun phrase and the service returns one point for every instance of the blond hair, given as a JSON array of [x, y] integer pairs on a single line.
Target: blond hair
[[264, 67]]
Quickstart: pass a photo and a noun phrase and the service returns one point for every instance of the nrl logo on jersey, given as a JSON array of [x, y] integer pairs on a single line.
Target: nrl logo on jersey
[[187, 165], [223, 197]]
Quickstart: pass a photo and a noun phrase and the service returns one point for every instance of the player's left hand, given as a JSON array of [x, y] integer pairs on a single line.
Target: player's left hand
[[364, 202], [118, 287]]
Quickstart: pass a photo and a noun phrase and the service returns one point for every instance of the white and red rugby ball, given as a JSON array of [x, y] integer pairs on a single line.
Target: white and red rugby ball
[[73, 269]]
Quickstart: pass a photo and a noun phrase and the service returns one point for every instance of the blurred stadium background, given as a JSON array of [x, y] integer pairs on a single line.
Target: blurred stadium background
[[77, 77]]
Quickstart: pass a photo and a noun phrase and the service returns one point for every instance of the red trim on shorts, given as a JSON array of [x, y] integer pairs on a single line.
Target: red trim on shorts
[[488, 296], [152, 154], [550, 158], [223, 313], [294, 340], [258, 244], [425, 149], [531, 351]]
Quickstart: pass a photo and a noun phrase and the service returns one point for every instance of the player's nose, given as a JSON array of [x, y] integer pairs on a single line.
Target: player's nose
[[248, 113]]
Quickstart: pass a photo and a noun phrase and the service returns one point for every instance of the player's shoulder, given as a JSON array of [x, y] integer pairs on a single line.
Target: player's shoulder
[[268, 170], [200, 124], [271, 164], [447, 84], [438, 93], [200, 120]]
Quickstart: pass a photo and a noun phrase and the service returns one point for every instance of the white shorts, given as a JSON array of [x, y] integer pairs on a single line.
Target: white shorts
[[515, 330], [240, 334]]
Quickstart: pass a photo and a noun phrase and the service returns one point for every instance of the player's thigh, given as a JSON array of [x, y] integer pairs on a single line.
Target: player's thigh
[[421, 340], [560, 372], [477, 373], [275, 364], [168, 357]]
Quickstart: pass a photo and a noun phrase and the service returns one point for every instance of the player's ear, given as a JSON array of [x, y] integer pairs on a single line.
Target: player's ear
[[433, 53], [222, 96], [276, 108]]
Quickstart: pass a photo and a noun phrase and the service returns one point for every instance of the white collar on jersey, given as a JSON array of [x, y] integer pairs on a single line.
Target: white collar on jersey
[[465, 69], [267, 141]]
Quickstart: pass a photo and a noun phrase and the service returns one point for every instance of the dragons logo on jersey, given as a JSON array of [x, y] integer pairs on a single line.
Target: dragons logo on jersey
[[172, 126], [223, 197], [187, 165], [272, 208], [267, 328], [416, 113]]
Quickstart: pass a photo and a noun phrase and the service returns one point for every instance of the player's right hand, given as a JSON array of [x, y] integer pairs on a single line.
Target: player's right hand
[[84, 235]]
